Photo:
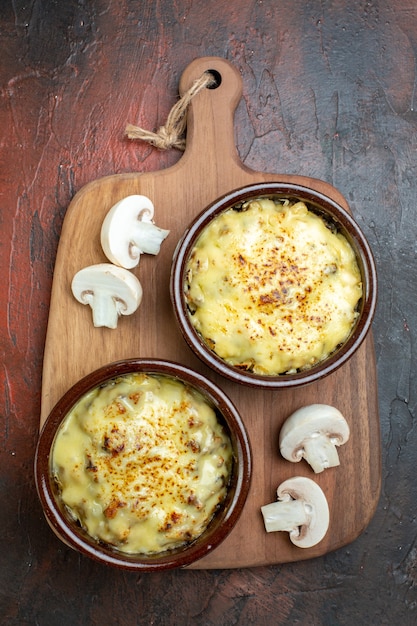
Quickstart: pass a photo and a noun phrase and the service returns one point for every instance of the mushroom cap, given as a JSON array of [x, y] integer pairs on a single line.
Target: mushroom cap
[[309, 422], [315, 506], [119, 224]]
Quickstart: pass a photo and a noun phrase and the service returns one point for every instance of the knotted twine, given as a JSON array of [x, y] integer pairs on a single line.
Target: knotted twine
[[171, 135]]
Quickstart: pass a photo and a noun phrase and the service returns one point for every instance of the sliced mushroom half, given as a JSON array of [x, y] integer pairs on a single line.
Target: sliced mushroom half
[[128, 231], [313, 432], [109, 290], [301, 510]]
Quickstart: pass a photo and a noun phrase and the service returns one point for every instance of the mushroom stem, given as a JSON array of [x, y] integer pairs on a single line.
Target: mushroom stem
[[105, 311], [146, 238], [286, 514], [321, 453]]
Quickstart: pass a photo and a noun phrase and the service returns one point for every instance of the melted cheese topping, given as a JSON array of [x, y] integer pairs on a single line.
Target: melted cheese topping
[[142, 463], [271, 288]]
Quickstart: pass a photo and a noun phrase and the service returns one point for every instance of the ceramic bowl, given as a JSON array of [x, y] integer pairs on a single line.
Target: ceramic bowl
[[225, 517], [333, 214]]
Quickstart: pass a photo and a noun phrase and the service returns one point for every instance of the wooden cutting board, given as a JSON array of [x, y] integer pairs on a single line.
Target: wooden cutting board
[[210, 167]]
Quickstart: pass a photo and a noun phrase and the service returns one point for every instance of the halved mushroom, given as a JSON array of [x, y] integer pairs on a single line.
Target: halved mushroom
[[301, 510], [109, 290], [128, 231], [313, 432]]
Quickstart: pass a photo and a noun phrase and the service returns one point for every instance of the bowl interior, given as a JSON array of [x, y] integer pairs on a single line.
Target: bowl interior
[[333, 214], [222, 522]]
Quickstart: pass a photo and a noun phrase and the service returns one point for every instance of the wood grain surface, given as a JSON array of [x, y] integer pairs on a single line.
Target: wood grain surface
[[328, 92], [209, 168]]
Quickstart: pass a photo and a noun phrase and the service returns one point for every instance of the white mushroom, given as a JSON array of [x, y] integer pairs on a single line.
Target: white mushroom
[[313, 432], [109, 290], [301, 510], [128, 231]]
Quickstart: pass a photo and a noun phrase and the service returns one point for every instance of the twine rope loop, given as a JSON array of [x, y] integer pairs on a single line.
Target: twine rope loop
[[171, 135]]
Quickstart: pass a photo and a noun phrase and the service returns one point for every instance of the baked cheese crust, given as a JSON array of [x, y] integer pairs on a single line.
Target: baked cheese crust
[[271, 287], [142, 463]]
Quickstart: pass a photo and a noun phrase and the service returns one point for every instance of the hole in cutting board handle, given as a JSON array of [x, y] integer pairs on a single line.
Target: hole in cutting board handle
[[217, 78]]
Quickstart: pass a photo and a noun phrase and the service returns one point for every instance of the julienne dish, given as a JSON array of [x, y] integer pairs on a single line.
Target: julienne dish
[[144, 465], [274, 285]]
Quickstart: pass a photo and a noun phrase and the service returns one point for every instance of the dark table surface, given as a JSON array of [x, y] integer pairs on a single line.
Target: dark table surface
[[329, 91]]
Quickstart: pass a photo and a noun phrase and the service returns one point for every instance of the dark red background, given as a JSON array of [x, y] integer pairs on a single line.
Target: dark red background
[[329, 92]]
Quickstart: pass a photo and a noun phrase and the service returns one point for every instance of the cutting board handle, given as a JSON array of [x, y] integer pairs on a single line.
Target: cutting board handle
[[210, 118]]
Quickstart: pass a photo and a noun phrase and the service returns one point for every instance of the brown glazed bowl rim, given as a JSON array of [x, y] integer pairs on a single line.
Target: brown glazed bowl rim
[[222, 523], [322, 204]]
